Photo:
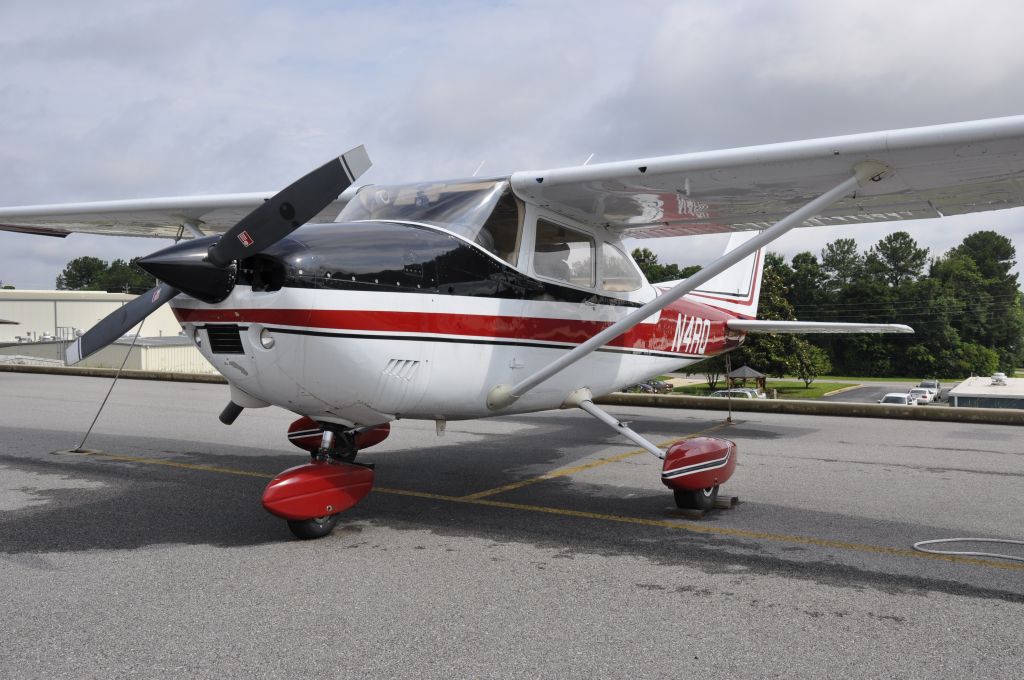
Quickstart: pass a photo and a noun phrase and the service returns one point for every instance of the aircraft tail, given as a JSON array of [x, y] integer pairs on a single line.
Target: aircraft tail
[[738, 288]]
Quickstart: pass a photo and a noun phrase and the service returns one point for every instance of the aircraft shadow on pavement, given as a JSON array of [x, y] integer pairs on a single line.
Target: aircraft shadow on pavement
[[144, 505]]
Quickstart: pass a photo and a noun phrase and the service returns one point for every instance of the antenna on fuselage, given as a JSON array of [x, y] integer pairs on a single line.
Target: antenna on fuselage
[[588, 159], [479, 167]]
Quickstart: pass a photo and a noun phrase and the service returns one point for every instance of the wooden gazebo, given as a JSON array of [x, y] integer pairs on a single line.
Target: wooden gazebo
[[741, 375]]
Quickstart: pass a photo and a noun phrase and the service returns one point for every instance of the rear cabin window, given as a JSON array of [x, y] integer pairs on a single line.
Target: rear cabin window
[[564, 254], [618, 275]]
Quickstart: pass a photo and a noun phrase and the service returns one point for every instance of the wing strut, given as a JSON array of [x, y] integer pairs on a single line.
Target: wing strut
[[585, 402], [502, 396]]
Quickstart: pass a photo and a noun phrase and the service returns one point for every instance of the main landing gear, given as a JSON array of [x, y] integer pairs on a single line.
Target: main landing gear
[[310, 497], [692, 468]]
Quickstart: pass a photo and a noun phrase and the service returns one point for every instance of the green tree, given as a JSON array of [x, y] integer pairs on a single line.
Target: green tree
[[896, 258], [713, 368], [82, 273], [977, 275], [806, 286], [92, 273], [808, 361], [127, 277], [992, 252], [689, 270], [657, 272], [770, 353], [841, 263]]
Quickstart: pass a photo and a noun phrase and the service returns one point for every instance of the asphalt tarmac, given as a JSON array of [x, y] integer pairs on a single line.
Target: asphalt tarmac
[[535, 546]]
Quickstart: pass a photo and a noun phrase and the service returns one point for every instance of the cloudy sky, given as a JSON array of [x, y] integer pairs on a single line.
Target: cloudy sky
[[106, 100]]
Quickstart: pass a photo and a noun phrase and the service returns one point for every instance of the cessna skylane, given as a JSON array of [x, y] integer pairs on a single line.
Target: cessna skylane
[[355, 307]]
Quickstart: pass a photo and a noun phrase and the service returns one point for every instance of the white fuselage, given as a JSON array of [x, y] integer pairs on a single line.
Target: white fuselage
[[362, 358]]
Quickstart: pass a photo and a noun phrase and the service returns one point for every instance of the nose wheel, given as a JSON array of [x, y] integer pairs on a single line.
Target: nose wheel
[[317, 527], [311, 497], [700, 499]]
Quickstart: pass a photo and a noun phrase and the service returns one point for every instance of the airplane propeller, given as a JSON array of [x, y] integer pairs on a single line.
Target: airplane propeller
[[210, 275]]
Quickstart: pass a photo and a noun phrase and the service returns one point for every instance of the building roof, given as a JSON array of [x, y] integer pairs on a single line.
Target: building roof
[[983, 387], [18, 294], [161, 341], [744, 372]]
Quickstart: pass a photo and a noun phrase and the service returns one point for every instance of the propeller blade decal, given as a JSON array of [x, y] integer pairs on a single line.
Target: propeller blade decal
[[119, 322], [290, 208]]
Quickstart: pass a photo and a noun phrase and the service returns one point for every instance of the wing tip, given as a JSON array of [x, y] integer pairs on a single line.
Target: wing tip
[[357, 161], [73, 354]]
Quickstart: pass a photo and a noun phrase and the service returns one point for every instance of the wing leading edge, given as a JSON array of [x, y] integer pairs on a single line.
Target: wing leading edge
[[934, 171], [154, 217]]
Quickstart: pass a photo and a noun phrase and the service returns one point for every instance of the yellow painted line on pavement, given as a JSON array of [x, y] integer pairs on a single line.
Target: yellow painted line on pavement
[[677, 525], [563, 472], [170, 463], [706, 529]]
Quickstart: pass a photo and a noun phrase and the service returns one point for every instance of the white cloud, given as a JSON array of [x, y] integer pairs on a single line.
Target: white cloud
[[106, 100]]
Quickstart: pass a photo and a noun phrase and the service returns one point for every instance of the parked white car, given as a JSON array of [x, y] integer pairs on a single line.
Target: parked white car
[[922, 395], [933, 385], [898, 398], [736, 393]]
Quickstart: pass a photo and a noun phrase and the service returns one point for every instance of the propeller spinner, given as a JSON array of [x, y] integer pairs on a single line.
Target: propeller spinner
[[209, 274]]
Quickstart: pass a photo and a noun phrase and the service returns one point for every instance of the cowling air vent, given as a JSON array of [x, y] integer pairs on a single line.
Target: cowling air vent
[[225, 339], [404, 369]]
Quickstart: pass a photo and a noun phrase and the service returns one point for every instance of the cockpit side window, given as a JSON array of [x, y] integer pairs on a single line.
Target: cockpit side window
[[564, 254], [482, 211], [618, 275], [502, 233]]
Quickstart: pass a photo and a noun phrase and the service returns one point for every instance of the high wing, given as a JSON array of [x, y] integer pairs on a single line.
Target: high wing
[[155, 217], [934, 171], [902, 174]]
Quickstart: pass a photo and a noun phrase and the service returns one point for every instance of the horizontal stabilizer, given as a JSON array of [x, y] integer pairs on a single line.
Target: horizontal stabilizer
[[759, 326]]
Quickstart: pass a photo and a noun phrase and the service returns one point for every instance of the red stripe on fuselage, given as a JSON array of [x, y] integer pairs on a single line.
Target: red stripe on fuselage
[[645, 336]]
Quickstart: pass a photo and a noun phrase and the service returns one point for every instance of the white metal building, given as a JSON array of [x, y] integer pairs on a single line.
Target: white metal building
[[58, 314], [988, 393], [175, 354]]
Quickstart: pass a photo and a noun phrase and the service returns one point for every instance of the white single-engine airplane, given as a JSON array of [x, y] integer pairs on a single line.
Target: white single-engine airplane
[[472, 298]]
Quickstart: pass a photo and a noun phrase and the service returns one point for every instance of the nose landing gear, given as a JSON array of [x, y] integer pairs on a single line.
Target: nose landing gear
[[317, 527], [311, 496]]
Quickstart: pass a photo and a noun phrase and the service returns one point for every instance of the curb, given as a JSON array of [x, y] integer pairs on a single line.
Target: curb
[[127, 374], [842, 389], [991, 416]]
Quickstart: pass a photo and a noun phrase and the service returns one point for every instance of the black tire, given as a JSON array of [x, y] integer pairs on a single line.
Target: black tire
[[702, 499], [308, 529]]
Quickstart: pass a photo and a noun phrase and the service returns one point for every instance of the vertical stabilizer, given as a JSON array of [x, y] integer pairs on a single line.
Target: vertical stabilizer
[[738, 288]]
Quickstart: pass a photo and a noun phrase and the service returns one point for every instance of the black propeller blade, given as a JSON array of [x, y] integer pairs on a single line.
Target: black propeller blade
[[212, 277], [116, 324], [290, 208]]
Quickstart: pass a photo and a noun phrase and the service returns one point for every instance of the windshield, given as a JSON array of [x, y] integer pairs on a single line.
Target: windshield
[[894, 400], [483, 211]]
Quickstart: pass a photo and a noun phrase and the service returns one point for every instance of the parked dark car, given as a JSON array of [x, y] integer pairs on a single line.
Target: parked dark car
[[650, 387]]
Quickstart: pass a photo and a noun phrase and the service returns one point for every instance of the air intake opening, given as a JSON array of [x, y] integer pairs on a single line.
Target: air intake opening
[[225, 339]]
